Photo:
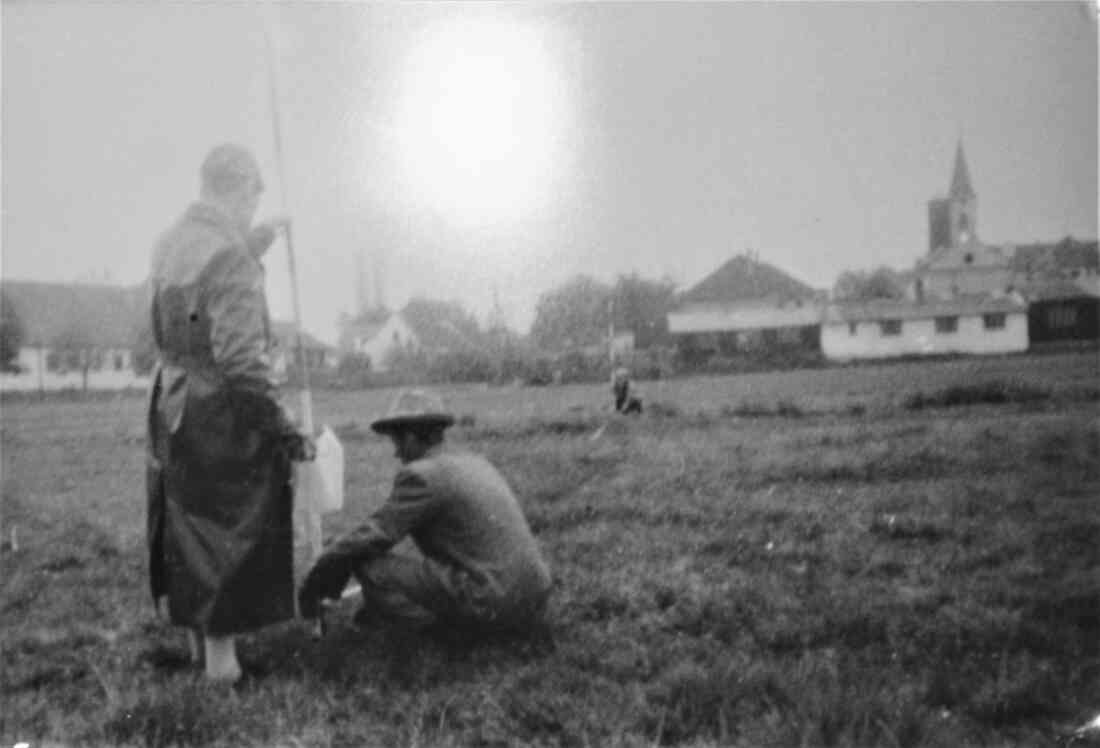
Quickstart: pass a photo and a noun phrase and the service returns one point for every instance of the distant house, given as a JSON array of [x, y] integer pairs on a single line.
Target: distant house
[[745, 305], [76, 335], [419, 328], [890, 328], [319, 355], [377, 335]]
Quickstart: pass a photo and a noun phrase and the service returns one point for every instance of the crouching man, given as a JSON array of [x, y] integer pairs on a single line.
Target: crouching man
[[481, 570], [627, 399]]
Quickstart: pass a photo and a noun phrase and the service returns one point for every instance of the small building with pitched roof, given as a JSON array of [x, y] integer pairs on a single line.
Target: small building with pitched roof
[[1060, 310], [421, 327], [377, 336], [744, 305], [318, 354]]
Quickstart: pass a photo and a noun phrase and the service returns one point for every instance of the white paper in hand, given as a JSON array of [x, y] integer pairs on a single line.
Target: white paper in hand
[[320, 483], [318, 489]]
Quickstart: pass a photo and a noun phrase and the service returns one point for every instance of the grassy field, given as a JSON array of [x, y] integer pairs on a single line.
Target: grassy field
[[903, 555]]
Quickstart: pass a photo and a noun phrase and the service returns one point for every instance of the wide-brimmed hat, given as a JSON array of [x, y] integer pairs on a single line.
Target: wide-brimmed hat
[[414, 408]]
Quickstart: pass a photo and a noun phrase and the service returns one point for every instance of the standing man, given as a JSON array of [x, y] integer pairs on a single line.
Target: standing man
[[479, 569], [220, 446]]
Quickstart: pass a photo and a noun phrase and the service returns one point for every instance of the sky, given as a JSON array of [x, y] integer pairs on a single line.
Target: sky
[[493, 151]]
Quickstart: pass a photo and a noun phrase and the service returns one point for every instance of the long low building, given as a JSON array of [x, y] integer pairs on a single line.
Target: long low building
[[887, 329], [75, 336]]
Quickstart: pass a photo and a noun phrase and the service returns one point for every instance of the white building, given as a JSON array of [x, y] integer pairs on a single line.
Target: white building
[[746, 304], [885, 329], [319, 355], [75, 336], [744, 316], [381, 339]]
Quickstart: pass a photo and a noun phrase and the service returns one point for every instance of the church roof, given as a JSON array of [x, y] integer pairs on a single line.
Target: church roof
[[884, 309], [434, 329], [1052, 289], [744, 278], [960, 179], [1067, 254]]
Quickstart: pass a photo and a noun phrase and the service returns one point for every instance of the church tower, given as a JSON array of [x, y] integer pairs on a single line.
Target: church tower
[[953, 221]]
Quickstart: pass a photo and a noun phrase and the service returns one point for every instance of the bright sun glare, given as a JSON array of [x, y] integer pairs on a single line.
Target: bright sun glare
[[479, 120]]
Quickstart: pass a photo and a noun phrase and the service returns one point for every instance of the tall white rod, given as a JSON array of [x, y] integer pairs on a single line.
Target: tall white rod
[[313, 530]]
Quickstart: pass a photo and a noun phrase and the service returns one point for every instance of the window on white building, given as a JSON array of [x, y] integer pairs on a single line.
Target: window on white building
[[994, 321], [853, 327], [947, 324], [890, 327]]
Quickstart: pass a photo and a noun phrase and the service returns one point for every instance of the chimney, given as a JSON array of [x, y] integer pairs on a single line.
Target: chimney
[[361, 301], [379, 280]]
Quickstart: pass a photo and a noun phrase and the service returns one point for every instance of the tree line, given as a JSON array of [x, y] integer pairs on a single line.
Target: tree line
[[581, 313]]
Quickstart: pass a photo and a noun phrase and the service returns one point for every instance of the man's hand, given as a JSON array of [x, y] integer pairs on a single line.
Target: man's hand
[[326, 580], [264, 233]]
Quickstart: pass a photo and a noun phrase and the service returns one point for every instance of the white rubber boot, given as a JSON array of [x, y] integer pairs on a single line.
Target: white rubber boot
[[221, 659]]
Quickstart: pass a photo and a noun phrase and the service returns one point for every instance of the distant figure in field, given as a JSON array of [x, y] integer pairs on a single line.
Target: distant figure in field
[[479, 569], [627, 400], [220, 445]]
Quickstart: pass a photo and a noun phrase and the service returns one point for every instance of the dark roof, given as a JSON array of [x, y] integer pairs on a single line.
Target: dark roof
[[372, 317], [1067, 254], [436, 332], [365, 325], [110, 315], [744, 278], [1051, 290], [283, 333], [890, 309], [960, 178]]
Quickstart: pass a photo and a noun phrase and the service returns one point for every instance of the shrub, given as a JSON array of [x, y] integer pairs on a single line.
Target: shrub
[[993, 392]]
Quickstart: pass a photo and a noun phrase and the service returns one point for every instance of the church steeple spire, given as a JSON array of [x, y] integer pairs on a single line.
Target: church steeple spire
[[953, 220], [960, 179]]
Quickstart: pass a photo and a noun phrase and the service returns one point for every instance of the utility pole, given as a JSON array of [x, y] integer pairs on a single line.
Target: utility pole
[[611, 332]]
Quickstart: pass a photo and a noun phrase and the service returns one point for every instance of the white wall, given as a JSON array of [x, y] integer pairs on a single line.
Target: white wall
[[395, 333], [742, 316], [34, 374], [919, 336]]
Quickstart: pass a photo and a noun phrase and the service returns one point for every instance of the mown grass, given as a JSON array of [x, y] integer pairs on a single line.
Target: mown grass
[[743, 565]]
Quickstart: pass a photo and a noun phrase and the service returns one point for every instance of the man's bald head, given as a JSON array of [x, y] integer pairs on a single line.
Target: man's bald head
[[230, 179], [229, 169]]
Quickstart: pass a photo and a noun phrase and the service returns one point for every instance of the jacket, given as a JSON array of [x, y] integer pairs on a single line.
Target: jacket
[[460, 512], [219, 498]]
